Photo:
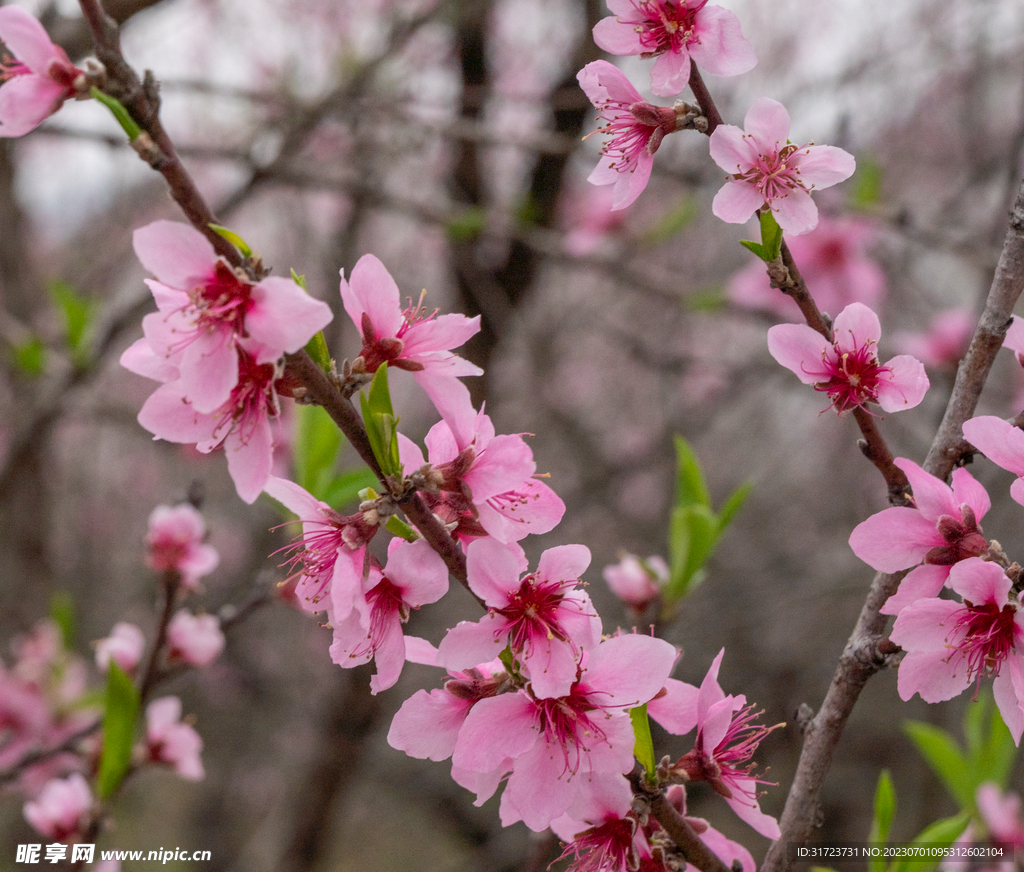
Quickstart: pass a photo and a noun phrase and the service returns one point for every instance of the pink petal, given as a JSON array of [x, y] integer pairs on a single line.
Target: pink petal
[[802, 350], [905, 386], [718, 45], [629, 670], [929, 674], [670, 73], [495, 729], [749, 812], [27, 40], [167, 415], [284, 317], [967, 490], [856, 326], [736, 201], [731, 149], [894, 539], [472, 642], [927, 626], [1008, 690], [563, 562], [493, 570], [822, 166], [676, 710], [933, 498], [923, 582], [998, 440], [768, 120], [373, 291], [209, 369], [631, 183], [980, 581], [250, 453], [177, 254], [440, 333], [603, 81], [427, 725], [796, 212], [616, 37], [26, 101], [551, 667], [418, 570], [295, 498], [538, 790]]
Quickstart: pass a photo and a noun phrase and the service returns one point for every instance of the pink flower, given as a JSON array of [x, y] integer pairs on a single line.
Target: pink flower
[[676, 32], [1014, 338], [602, 834], [62, 809], [208, 312], [481, 483], [847, 368], [945, 341], [242, 425], [637, 582], [1003, 444], [768, 172], [175, 543], [635, 128], [555, 747], [1001, 813], [329, 554], [940, 530], [170, 741], [124, 646], [36, 82], [415, 575], [410, 338], [949, 645], [834, 262], [194, 639], [545, 617], [727, 737]]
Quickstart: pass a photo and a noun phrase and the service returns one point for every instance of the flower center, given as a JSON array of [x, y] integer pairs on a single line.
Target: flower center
[[667, 26], [855, 376], [989, 633], [223, 301]]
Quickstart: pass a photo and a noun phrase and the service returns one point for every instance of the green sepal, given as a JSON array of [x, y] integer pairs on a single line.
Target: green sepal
[[381, 423], [397, 527], [756, 248], [121, 711], [128, 125], [643, 747], [233, 238], [885, 809], [318, 350], [299, 280]]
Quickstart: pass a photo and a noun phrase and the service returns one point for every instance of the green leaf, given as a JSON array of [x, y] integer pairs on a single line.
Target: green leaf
[[940, 834], [381, 423], [866, 187], [693, 532], [691, 487], [991, 752], [77, 312], [771, 235], [344, 489], [756, 248], [128, 125], [945, 758], [317, 443], [29, 357], [234, 239], [643, 747], [299, 280], [673, 222], [122, 708], [733, 504], [62, 613], [885, 808], [467, 225]]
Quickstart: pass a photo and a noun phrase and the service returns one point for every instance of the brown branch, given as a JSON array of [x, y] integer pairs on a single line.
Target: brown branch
[[679, 830]]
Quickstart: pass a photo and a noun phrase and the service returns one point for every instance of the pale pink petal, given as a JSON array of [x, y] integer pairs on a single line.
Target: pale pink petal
[[1017, 490], [632, 183], [26, 101], [967, 491], [177, 254], [933, 498], [563, 562], [894, 539], [418, 571], [731, 149], [209, 369], [998, 440], [676, 709], [980, 581], [749, 812], [1014, 339], [736, 201], [140, 358], [295, 498], [616, 37], [472, 642], [768, 120], [796, 212], [629, 670], [537, 509], [718, 46], [167, 415], [427, 725], [929, 674], [1008, 690], [927, 625], [284, 317], [493, 570], [822, 166], [27, 40], [905, 386], [507, 462], [388, 655], [495, 729], [602, 81], [551, 668], [670, 73], [250, 453], [373, 291], [856, 326], [802, 350], [538, 790], [440, 333], [923, 582], [729, 851]]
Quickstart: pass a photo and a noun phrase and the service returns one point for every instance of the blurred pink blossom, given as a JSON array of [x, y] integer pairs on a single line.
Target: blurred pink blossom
[[194, 639], [676, 32], [170, 741], [175, 543], [124, 646], [61, 811], [767, 171], [833, 261], [637, 582], [944, 343]]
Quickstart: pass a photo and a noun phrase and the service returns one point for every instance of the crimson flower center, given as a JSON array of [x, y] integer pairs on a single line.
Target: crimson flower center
[[224, 299], [532, 613], [854, 377], [668, 25], [989, 633]]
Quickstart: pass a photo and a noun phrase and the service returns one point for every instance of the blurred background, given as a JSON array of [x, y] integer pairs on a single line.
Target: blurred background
[[448, 139]]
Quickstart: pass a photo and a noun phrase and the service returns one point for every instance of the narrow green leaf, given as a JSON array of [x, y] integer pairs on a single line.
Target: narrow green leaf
[[381, 423], [77, 313], [62, 613], [733, 504], [756, 248], [703, 538], [866, 187], [771, 235], [885, 808], [299, 280], [940, 834], [317, 443], [693, 531], [233, 238], [945, 759], [344, 488], [128, 125], [691, 487], [318, 350], [122, 708], [29, 357], [643, 747], [993, 758], [467, 225]]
